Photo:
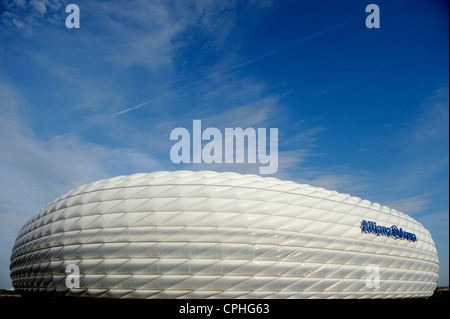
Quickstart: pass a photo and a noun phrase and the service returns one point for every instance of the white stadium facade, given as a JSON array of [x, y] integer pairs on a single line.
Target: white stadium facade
[[205, 234]]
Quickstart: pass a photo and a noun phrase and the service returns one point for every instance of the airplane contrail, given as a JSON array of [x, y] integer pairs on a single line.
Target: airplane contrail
[[239, 65]]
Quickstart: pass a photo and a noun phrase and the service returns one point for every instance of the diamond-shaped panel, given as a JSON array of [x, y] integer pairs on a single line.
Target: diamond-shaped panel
[[218, 235]]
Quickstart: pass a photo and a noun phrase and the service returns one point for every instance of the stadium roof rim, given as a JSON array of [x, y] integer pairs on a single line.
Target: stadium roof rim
[[252, 177]]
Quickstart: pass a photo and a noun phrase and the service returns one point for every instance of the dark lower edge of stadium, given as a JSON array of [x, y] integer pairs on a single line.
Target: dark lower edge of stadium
[[288, 308]]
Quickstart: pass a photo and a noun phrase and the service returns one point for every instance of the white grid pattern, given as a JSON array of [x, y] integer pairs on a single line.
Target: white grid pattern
[[205, 234]]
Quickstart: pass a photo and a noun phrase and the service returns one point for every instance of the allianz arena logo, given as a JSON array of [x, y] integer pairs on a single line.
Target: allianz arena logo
[[371, 227]]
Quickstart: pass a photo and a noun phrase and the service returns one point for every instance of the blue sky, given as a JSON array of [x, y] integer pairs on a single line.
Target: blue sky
[[361, 111]]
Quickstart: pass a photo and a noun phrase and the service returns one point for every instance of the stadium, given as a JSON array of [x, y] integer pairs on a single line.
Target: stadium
[[206, 234]]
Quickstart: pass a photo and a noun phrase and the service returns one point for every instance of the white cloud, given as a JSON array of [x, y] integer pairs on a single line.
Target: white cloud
[[150, 33], [41, 173], [39, 6], [411, 205], [421, 151], [432, 123], [254, 114], [31, 17], [19, 24], [340, 181], [19, 3], [31, 174], [437, 223]]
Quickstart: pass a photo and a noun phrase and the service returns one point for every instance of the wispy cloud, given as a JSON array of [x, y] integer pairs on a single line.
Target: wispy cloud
[[165, 27], [42, 173], [421, 152], [411, 205], [29, 16]]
